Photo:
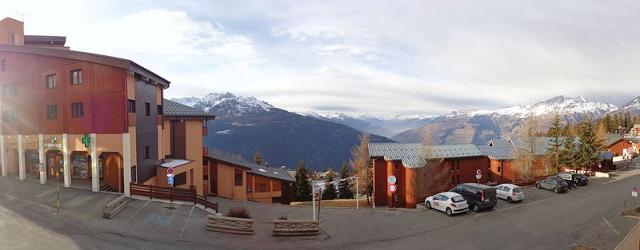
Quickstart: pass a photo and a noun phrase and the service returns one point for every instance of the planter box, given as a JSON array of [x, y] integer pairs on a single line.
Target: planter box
[[232, 225], [296, 227]]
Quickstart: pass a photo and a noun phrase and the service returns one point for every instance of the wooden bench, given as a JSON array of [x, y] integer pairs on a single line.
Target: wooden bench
[[114, 206], [232, 225], [296, 227]]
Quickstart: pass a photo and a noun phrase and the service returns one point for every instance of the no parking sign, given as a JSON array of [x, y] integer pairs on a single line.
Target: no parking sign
[[393, 188]]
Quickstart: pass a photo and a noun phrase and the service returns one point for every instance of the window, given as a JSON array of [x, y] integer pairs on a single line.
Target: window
[[146, 152], [80, 163], [51, 81], [12, 39], [9, 90], [159, 109], [3, 65], [77, 110], [237, 177], [76, 77], [131, 106], [9, 115], [499, 170], [52, 112], [262, 187], [180, 179], [147, 109]]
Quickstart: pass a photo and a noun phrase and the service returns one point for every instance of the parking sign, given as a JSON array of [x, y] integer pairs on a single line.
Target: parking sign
[[170, 180]]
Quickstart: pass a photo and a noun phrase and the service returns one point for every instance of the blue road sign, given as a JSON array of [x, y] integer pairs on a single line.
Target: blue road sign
[[170, 180]]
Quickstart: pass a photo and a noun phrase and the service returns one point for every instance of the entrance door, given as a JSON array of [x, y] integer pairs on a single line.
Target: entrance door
[[31, 158], [54, 163], [12, 161], [113, 171]]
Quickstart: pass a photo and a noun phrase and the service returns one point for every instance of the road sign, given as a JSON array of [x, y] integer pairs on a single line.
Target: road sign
[[170, 180], [393, 188], [391, 179], [170, 171], [634, 194], [478, 174]]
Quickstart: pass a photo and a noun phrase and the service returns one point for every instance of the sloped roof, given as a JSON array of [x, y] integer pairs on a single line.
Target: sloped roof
[[414, 155], [261, 170], [611, 139], [171, 108], [500, 149]]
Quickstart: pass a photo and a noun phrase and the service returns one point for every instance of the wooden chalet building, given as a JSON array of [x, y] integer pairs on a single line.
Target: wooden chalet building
[[232, 177]]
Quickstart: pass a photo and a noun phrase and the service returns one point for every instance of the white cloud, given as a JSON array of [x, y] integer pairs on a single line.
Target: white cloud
[[363, 56]]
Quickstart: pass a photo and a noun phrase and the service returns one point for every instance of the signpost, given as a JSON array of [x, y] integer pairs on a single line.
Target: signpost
[[391, 179], [478, 175], [170, 176], [393, 188]]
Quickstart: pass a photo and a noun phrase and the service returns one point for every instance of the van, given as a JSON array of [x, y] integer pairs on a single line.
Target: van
[[478, 196]]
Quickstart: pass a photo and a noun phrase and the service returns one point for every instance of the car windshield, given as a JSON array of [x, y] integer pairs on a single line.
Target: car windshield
[[457, 199]]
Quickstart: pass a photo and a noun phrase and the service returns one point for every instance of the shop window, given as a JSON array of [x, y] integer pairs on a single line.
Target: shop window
[[131, 106], [77, 110], [76, 77], [52, 112], [80, 163], [51, 81], [237, 177]]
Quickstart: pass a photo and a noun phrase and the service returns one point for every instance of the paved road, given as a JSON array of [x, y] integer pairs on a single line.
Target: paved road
[[587, 216]]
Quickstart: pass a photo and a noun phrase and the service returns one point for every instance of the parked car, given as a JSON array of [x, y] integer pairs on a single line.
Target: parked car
[[568, 177], [509, 192], [581, 179], [575, 179], [555, 184], [448, 202], [478, 196]]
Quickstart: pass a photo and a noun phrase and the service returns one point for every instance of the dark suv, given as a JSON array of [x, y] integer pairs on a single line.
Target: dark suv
[[478, 196]]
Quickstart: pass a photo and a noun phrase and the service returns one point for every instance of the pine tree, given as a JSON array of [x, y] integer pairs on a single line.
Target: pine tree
[[330, 191], [301, 188], [555, 146], [344, 189], [568, 153], [257, 158], [589, 147]]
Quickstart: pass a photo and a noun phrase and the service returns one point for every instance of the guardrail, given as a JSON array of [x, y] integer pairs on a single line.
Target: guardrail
[[296, 227], [233, 225], [114, 206], [170, 193]]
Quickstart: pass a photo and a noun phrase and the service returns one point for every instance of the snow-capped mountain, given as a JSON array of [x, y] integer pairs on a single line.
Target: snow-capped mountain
[[479, 126], [244, 125], [226, 104], [558, 104], [632, 106]]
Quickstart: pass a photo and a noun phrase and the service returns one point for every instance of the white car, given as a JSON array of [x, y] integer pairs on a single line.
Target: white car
[[448, 202], [509, 192]]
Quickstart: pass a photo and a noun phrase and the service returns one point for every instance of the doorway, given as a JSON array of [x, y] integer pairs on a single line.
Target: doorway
[[112, 173], [31, 158], [54, 163]]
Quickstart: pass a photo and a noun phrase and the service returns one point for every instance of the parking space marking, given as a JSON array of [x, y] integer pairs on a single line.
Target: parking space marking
[[139, 209], [610, 225], [11, 197], [185, 222], [525, 204]]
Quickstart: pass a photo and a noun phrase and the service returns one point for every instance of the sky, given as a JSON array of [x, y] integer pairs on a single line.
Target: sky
[[362, 56]]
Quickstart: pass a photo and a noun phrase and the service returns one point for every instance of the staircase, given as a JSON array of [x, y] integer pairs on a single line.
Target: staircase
[[107, 188]]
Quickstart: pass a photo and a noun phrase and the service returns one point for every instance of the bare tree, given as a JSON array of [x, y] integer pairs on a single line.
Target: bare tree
[[434, 176], [360, 162], [527, 148]]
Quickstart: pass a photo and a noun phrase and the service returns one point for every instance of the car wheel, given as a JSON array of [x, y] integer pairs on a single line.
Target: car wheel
[[476, 208], [555, 190], [538, 185], [509, 200], [449, 212], [428, 205]]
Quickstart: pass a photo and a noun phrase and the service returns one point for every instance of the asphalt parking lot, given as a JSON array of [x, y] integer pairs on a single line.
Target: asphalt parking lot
[[587, 216]]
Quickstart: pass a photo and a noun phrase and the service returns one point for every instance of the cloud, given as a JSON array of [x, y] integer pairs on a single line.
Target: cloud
[[379, 57]]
